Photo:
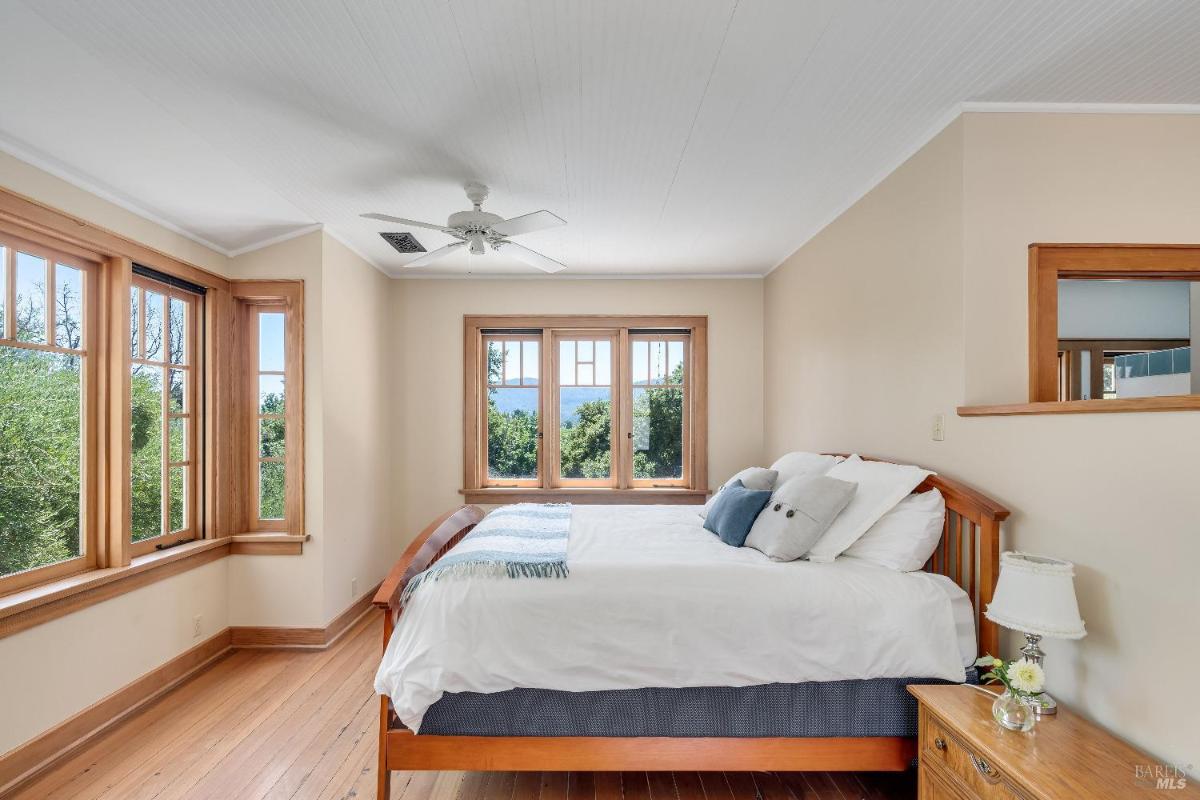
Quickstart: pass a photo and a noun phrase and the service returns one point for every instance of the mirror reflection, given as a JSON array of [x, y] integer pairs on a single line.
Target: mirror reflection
[[1127, 338]]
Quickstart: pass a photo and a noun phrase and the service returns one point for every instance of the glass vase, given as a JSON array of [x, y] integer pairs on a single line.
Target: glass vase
[[1013, 713]]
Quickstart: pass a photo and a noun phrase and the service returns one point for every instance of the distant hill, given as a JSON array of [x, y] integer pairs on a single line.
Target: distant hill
[[569, 400]]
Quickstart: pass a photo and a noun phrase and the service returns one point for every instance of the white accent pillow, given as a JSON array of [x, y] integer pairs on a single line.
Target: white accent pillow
[[799, 463], [881, 485], [799, 511], [757, 478], [904, 538]]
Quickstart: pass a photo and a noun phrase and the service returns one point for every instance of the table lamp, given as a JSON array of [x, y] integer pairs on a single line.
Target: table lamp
[[1036, 596]]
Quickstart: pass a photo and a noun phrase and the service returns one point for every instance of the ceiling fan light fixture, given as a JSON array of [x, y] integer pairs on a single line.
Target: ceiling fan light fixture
[[476, 229]]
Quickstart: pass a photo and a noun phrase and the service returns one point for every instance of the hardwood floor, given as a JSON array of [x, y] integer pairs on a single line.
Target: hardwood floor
[[294, 724]]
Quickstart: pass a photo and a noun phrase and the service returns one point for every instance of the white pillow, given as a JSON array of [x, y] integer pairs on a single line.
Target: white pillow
[[757, 478], [905, 537], [799, 511], [792, 465], [881, 485]]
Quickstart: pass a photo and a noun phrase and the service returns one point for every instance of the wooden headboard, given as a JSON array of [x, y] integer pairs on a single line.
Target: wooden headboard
[[969, 553]]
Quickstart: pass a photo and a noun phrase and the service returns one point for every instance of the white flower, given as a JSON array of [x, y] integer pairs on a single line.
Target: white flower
[[1026, 676]]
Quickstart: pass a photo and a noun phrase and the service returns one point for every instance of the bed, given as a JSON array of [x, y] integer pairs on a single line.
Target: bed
[[637, 680]]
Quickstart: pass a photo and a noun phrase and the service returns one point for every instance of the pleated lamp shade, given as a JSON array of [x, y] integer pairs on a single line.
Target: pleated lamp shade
[[1036, 595]]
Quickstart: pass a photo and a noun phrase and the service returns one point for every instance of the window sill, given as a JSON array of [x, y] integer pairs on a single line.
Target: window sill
[[268, 544], [667, 496], [30, 607], [1116, 406]]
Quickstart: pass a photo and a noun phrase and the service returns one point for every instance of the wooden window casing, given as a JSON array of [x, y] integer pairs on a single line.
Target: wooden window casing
[[577, 380], [91, 486], [188, 412], [252, 300], [620, 332], [524, 383], [1051, 367], [685, 479]]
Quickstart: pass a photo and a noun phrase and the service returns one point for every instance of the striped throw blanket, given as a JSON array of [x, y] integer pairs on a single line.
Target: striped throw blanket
[[525, 540]]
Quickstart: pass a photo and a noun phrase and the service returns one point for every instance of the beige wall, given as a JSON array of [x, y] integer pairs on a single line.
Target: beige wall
[[27, 180], [288, 591], [348, 419], [427, 366], [914, 301], [61, 667], [361, 493]]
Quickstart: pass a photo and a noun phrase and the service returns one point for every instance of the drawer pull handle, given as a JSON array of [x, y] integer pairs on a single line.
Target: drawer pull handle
[[939, 743], [984, 769]]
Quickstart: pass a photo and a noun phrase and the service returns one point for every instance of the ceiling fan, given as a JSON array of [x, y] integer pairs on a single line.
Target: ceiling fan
[[476, 227]]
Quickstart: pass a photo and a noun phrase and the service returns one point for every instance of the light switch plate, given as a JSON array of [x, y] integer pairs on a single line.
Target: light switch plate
[[939, 428]]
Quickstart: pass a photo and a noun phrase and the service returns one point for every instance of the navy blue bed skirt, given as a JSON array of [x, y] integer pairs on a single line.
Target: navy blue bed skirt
[[876, 707]]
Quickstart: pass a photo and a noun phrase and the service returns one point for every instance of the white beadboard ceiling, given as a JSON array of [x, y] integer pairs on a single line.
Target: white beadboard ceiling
[[676, 137]]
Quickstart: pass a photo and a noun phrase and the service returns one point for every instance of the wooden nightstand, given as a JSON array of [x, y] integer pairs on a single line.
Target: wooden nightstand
[[964, 755]]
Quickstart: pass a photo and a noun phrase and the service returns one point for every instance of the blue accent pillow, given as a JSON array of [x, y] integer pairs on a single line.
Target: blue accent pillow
[[734, 512]]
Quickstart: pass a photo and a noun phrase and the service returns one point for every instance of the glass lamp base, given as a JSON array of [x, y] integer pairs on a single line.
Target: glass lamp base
[[1043, 705]]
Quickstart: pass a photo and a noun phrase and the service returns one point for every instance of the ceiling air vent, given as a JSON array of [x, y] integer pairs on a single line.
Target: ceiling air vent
[[403, 242]]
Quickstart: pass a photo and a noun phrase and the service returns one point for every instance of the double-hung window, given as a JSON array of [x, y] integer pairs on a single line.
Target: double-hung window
[[48, 446], [585, 407], [164, 387]]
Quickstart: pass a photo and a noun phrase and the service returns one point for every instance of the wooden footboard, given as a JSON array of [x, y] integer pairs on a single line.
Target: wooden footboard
[[433, 542]]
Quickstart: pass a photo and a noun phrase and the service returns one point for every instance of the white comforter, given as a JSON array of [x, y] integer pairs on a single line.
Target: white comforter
[[653, 599]]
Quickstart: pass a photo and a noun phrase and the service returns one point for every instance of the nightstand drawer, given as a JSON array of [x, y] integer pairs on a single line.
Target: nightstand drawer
[[952, 759]]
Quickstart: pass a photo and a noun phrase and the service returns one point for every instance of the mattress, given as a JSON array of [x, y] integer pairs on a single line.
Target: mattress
[[876, 707], [653, 600]]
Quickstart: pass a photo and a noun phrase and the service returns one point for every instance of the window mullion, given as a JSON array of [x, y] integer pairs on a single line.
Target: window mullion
[[547, 418], [623, 408]]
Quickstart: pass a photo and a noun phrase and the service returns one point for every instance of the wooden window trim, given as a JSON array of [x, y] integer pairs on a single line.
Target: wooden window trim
[[1050, 262], [91, 396], [193, 413], [542, 460], [621, 490], [251, 298], [688, 396], [554, 475]]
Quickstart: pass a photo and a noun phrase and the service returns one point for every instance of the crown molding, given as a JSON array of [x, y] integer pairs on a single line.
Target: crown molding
[[986, 107], [63, 173], [283, 237], [641, 276]]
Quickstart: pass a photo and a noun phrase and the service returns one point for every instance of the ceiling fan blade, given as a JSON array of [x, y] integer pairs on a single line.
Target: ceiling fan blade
[[411, 223], [434, 255], [528, 223], [531, 257]]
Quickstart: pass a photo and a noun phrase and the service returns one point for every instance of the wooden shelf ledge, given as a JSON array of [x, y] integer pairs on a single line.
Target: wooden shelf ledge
[[1115, 406], [30, 607], [268, 544], [584, 496]]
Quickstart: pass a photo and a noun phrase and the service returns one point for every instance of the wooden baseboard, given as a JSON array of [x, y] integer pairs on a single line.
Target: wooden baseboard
[[302, 638], [25, 761]]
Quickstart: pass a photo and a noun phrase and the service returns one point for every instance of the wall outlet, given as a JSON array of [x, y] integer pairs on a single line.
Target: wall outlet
[[196, 626], [939, 428], [354, 588]]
